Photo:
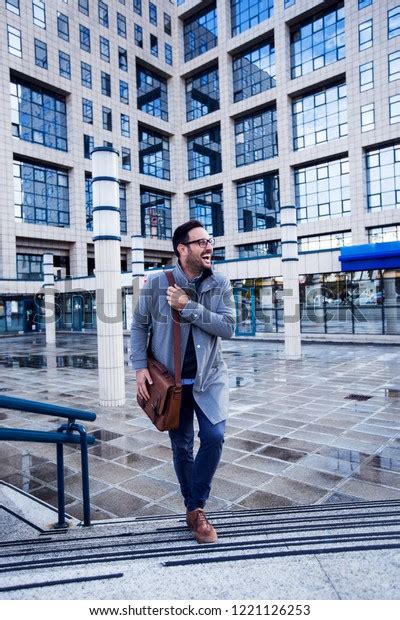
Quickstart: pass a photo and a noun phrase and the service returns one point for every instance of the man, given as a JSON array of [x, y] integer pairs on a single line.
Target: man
[[207, 313]]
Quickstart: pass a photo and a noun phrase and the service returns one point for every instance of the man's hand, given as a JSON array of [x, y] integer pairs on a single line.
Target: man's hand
[[176, 297], [142, 378]]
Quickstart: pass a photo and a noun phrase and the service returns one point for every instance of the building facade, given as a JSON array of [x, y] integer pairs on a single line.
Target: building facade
[[223, 112]]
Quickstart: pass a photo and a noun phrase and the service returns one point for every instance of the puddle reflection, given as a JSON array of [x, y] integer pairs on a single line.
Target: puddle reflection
[[41, 361]]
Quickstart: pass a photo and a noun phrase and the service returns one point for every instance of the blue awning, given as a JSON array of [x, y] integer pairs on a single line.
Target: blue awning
[[370, 256]]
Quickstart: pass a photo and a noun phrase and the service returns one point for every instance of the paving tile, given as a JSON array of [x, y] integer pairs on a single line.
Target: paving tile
[[245, 445], [262, 499], [105, 451], [242, 475], [138, 461], [149, 487], [261, 463], [368, 491], [118, 502], [296, 491], [320, 479], [283, 454]]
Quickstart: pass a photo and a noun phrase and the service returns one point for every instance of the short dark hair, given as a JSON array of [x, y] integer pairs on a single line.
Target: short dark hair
[[181, 233]]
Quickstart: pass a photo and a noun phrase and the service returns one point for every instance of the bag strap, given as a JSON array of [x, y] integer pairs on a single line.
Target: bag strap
[[177, 335]]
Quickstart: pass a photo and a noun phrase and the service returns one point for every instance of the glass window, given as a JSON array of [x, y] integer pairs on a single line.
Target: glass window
[[88, 146], [394, 66], [124, 91], [248, 13], [322, 190], [89, 202], [394, 22], [29, 266], [126, 158], [138, 35], [153, 45], [394, 109], [103, 13], [156, 214], [288, 3], [202, 94], [83, 6], [104, 49], [64, 65], [168, 53], [258, 203], [86, 75], [318, 243], [137, 6], [84, 38], [254, 71], [13, 6], [204, 153], [153, 13], [256, 137], [167, 24], [367, 113], [87, 111], [63, 26], [152, 94], [38, 115], [125, 126], [14, 41], [41, 54], [122, 208], [107, 118], [364, 3], [260, 250], [383, 178], [320, 116], [39, 13], [318, 42], [41, 194], [105, 84], [207, 208], [200, 33], [365, 35], [121, 25], [383, 234], [366, 76], [154, 154], [122, 59]]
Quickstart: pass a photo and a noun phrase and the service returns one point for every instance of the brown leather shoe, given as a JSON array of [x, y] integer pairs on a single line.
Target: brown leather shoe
[[202, 529]]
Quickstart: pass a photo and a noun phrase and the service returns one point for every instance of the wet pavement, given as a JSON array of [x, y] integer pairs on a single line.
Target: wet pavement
[[322, 430]]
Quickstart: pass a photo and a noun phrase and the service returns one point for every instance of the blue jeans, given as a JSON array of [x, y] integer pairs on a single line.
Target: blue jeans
[[195, 475]]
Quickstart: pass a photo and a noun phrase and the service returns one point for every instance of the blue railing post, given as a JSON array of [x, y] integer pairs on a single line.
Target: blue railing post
[[60, 486], [64, 434], [85, 472]]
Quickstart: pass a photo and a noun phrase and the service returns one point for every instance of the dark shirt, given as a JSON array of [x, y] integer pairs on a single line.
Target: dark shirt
[[189, 367]]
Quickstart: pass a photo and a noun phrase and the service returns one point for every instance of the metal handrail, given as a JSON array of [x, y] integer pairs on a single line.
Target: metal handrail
[[71, 432]]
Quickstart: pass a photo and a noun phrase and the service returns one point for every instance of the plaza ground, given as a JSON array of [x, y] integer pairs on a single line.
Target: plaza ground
[[317, 432]]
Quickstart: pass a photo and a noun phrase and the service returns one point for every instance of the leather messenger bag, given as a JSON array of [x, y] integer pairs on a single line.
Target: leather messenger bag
[[164, 404]]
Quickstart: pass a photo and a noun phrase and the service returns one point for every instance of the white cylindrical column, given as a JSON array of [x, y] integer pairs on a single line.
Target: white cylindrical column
[[290, 274], [107, 244], [137, 266], [49, 306], [137, 256], [389, 298]]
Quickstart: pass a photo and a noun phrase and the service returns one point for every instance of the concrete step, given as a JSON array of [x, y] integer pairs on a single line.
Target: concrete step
[[111, 550]]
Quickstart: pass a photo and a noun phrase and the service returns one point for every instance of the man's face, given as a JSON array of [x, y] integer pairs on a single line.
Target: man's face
[[193, 255]]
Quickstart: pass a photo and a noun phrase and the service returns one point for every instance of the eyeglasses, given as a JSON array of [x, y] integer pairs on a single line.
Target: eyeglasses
[[202, 242]]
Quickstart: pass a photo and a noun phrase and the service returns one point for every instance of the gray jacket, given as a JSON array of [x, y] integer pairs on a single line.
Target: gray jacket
[[211, 317]]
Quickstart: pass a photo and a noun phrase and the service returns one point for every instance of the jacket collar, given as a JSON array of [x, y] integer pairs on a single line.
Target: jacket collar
[[181, 279]]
